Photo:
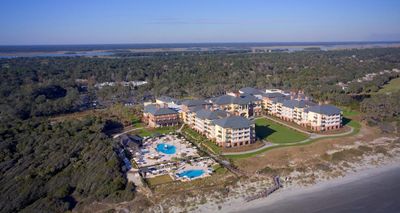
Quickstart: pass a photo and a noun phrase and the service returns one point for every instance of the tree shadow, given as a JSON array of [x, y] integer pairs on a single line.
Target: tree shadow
[[263, 131], [111, 127], [345, 121]]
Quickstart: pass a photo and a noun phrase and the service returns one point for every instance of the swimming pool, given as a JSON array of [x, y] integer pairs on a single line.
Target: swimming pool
[[166, 148], [193, 173]]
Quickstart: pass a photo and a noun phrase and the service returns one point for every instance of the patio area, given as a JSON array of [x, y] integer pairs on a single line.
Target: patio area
[[183, 170], [163, 149]]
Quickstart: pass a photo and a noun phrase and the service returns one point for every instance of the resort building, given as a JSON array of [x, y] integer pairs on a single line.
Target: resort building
[[243, 105], [324, 117], [189, 109], [224, 119], [157, 115], [294, 111], [233, 131], [274, 106], [172, 103], [204, 118], [251, 91], [269, 99]]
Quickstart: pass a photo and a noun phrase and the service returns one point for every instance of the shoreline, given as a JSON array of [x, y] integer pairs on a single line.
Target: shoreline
[[295, 189]]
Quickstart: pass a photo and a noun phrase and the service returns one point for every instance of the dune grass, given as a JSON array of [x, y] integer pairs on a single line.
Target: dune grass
[[159, 180]]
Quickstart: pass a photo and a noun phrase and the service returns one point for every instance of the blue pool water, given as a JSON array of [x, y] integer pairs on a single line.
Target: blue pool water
[[191, 173], [166, 148]]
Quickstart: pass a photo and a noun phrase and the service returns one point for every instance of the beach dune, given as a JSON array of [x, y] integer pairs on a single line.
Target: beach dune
[[372, 190]]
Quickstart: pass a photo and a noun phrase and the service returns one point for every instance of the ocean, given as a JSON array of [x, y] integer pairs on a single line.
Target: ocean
[[378, 193]]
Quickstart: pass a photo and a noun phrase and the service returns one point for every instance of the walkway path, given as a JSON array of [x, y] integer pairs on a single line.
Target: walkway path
[[266, 145], [127, 131], [313, 136], [180, 129], [277, 185]]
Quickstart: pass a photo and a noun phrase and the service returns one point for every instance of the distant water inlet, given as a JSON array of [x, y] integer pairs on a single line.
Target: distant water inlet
[[193, 173], [166, 148]]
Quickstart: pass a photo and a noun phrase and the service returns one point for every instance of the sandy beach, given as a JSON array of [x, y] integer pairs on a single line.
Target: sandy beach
[[306, 199], [297, 198], [375, 174]]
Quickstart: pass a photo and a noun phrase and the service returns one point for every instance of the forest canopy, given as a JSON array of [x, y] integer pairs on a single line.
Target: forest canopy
[[57, 166]]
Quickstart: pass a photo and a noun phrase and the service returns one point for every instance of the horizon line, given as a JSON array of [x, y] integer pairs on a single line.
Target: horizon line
[[211, 42]]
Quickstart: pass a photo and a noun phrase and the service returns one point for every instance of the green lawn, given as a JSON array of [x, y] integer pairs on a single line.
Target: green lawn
[[159, 180], [392, 86], [149, 132], [349, 112], [355, 124], [277, 133]]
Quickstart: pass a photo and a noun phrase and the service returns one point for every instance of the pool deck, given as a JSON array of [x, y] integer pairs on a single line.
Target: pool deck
[[172, 169], [150, 156], [152, 163], [205, 168]]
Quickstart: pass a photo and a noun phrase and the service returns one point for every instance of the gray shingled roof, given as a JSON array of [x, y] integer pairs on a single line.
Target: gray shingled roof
[[195, 108], [227, 99], [191, 103], [234, 122], [294, 103], [222, 100], [251, 91], [168, 99], [155, 110], [273, 95], [246, 99], [279, 99], [325, 109], [211, 115]]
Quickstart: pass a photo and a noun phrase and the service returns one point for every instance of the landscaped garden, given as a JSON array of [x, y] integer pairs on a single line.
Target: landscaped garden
[[201, 140]]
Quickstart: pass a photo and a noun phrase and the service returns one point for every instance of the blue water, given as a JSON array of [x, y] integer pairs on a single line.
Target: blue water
[[166, 148], [78, 54], [191, 173]]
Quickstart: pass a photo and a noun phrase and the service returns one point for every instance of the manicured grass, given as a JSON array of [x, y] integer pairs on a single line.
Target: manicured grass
[[349, 112], [150, 132], [248, 155], [277, 133], [159, 180], [392, 86], [355, 124]]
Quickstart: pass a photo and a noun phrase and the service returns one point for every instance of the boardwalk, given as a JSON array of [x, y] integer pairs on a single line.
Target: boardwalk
[[266, 192]]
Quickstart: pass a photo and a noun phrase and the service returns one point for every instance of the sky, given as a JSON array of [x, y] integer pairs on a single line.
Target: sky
[[31, 22]]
